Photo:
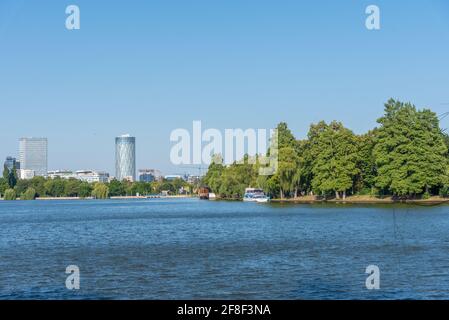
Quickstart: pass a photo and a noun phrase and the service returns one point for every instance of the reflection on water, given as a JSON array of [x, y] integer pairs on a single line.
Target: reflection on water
[[191, 249]]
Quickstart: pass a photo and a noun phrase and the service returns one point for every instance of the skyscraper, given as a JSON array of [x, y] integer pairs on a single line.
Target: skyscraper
[[125, 157], [11, 163], [33, 155]]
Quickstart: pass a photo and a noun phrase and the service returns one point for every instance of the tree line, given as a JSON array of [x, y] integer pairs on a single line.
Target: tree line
[[12, 188], [405, 156]]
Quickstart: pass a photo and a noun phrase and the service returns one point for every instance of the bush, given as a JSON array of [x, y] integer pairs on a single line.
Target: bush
[[29, 194], [444, 191], [10, 194], [101, 191]]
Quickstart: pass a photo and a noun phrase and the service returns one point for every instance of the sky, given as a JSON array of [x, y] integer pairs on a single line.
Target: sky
[[149, 67]]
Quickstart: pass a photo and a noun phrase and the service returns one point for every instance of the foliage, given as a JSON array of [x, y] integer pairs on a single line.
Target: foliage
[[410, 151], [100, 191], [10, 175], [407, 155], [10, 194], [29, 194], [3, 186]]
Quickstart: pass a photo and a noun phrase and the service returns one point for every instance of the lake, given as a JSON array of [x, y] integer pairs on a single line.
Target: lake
[[192, 249]]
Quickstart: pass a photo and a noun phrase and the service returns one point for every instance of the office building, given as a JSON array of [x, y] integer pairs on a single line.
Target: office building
[[147, 175], [33, 153], [125, 158], [11, 163]]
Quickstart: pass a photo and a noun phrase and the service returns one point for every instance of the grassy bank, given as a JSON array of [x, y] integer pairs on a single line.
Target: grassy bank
[[365, 199]]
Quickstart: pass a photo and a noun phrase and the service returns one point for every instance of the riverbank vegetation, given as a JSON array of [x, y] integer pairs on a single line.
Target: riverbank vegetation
[[41, 187], [405, 157]]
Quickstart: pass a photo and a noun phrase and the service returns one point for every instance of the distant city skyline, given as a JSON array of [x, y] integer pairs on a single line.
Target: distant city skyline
[[150, 67]]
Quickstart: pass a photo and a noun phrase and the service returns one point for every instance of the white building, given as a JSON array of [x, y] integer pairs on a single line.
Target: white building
[[63, 174], [172, 177], [92, 176], [26, 174]]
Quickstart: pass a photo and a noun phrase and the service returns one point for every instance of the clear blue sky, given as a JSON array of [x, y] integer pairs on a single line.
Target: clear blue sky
[[148, 67]]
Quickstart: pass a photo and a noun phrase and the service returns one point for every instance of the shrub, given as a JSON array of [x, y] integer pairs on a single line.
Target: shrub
[[10, 194], [29, 194], [101, 191]]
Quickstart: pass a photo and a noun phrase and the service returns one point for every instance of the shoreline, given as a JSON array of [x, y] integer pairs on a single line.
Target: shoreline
[[363, 200], [111, 198], [435, 200]]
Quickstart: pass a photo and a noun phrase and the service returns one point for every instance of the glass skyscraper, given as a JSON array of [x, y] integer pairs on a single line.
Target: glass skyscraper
[[33, 155], [125, 158], [11, 163]]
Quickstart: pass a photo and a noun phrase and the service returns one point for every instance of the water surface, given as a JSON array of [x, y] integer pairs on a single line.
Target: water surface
[[192, 249]]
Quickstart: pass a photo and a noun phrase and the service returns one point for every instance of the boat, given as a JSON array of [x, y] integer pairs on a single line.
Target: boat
[[203, 193], [212, 196], [255, 195]]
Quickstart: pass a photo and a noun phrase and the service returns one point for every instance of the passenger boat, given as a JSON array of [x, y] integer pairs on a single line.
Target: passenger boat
[[255, 195]]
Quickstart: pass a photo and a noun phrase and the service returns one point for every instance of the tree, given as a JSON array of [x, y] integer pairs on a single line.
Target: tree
[[54, 187], [5, 172], [410, 151], [72, 187], [10, 194], [333, 148], [287, 170], [365, 163], [29, 194], [3, 186], [100, 191], [38, 184], [213, 178], [85, 190], [117, 188], [10, 175], [22, 186]]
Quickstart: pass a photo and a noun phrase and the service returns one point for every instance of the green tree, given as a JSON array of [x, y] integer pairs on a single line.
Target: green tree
[[72, 187], [117, 188], [100, 191], [22, 186], [237, 177], [213, 177], [10, 194], [3, 186], [5, 173], [37, 183], [85, 190], [29, 194], [10, 175], [410, 151], [333, 148], [366, 164], [287, 170], [54, 187]]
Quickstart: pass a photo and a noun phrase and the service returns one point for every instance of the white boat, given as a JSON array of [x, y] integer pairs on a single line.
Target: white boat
[[255, 195], [212, 196]]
